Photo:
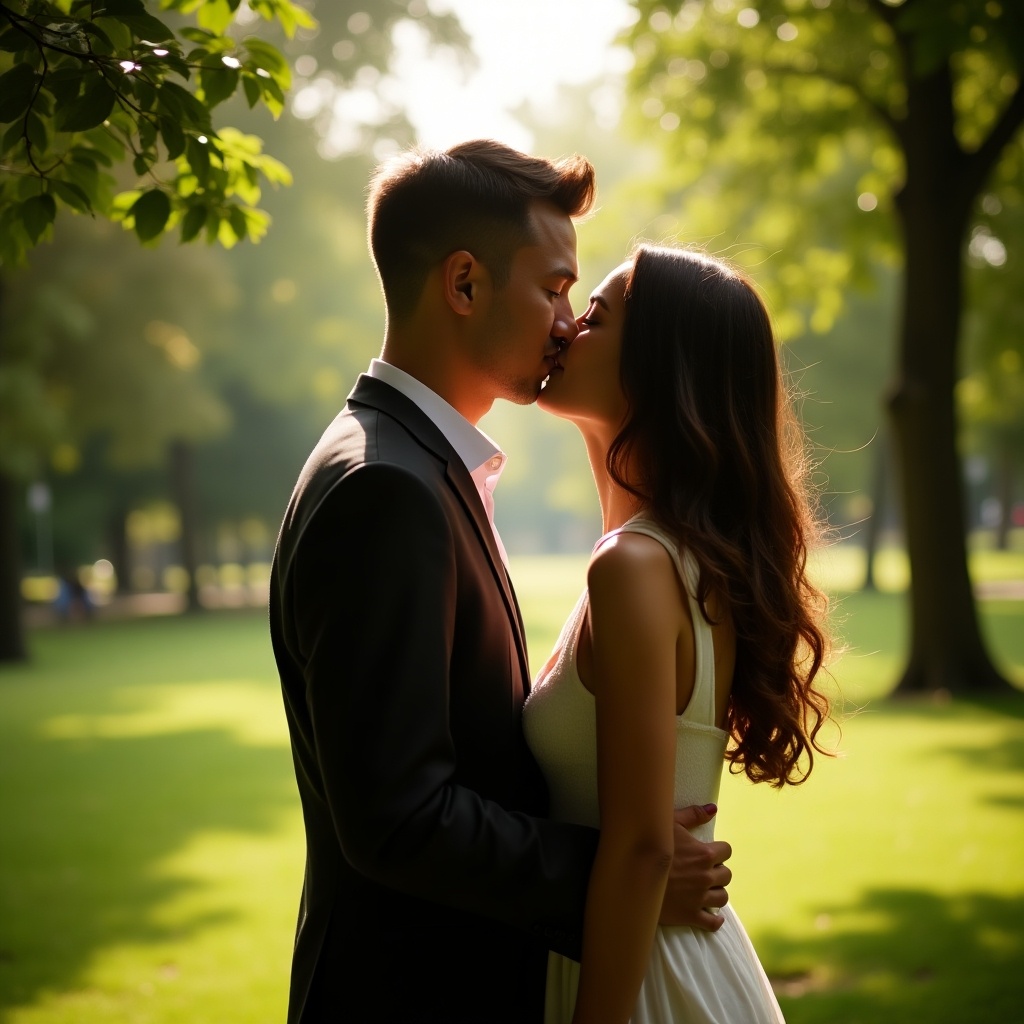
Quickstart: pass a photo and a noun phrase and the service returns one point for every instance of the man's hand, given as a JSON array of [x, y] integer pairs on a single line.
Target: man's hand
[[698, 878]]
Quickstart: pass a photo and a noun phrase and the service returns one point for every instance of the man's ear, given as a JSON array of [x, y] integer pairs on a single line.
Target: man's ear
[[462, 274]]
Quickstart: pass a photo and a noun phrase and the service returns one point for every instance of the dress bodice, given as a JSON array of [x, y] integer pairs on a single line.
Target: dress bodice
[[559, 718]]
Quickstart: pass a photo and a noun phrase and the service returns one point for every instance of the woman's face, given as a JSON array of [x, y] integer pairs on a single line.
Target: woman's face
[[584, 385]]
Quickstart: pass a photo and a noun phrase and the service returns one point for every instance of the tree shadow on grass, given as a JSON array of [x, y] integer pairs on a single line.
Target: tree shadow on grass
[[95, 817], [904, 956]]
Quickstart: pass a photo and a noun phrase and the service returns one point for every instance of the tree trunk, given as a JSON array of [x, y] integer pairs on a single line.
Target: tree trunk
[[879, 489], [12, 627], [946, 648], [184, 489], [118, 548], [1004, 488]]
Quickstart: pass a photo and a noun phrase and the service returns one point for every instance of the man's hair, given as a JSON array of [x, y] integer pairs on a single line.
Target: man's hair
[[425, 204]]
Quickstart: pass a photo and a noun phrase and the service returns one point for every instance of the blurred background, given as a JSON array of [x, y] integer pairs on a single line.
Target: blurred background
[[163, 400], [862, 160]]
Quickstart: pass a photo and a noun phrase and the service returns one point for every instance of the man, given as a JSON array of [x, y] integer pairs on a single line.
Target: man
[[434, 885]]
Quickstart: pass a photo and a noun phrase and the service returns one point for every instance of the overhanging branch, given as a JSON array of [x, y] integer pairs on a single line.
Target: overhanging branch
[[979, 164], [893, 123]]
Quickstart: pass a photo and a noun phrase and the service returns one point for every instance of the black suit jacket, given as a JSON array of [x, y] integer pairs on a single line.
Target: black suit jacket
[[433, 884]]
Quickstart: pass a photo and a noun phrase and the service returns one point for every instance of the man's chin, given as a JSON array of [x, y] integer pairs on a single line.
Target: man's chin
[[524, 392]]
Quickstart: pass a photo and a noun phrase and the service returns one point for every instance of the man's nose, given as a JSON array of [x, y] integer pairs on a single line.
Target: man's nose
[[564, 330]]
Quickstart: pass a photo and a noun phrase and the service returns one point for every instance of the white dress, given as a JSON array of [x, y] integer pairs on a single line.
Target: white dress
[[693, 976]]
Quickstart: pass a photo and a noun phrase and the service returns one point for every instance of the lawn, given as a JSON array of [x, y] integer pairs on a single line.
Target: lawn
[[151, 845]]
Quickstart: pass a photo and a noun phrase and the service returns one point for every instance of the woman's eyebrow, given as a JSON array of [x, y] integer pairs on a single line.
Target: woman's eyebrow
[[600, 301]]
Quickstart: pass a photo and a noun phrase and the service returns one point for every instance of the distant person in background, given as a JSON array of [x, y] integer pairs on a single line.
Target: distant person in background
[[434, 882], [73, 602], [699, 626]]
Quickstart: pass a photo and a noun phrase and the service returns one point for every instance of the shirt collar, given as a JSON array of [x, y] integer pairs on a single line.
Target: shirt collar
[[472, 445]]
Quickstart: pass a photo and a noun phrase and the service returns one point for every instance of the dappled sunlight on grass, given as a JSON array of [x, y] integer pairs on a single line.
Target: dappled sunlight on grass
[[249, 712], [923, 804], [152, 850]]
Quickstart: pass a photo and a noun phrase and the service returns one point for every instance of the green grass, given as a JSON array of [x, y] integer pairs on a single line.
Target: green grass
[[151, 842]]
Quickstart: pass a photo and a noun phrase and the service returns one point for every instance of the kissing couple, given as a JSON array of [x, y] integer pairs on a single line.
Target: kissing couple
[[486, 848]]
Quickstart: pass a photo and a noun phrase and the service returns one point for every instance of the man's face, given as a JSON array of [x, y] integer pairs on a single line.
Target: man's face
[[530, 317]]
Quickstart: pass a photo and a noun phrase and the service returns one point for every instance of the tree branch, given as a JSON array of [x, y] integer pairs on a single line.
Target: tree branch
[[885, 12], [894, 124], [978, 165]]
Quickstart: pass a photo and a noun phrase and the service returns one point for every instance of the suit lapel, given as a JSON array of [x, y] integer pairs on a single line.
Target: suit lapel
[[375, 393], [462, 482]]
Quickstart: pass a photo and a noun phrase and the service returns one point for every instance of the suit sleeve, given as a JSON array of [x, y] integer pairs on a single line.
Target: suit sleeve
[[374, 591]]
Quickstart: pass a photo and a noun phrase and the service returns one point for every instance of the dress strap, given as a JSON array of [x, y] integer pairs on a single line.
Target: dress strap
[[701, 706]]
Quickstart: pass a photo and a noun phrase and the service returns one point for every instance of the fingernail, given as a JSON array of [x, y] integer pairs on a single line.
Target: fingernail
[[711, 808]]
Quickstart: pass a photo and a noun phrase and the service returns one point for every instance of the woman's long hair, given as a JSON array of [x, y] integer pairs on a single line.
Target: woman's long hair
[[713, 449]]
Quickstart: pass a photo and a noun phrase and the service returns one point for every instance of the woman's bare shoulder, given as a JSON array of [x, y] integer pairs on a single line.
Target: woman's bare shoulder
[[635, 571]]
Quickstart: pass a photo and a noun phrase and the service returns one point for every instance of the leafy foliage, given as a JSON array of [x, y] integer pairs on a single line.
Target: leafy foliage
[[783, 124], [86, 87]]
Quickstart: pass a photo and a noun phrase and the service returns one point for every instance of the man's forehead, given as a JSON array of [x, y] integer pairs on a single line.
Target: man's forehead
[[554, 240]]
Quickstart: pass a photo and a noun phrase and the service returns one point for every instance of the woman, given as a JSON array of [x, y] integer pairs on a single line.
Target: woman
[[698, 625]]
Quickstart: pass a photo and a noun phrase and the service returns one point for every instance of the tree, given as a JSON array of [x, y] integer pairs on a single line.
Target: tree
[[881, 123], [142, 377], [85, 87], [991, 396]]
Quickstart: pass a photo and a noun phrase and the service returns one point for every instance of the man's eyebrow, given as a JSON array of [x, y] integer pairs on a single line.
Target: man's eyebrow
[[567, 272], [600, 301]]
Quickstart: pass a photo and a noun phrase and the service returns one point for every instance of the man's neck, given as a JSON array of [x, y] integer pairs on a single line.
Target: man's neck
[[464, 394]]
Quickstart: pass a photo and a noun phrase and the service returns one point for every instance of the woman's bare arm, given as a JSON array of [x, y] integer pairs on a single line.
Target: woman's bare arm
[[635, 620]]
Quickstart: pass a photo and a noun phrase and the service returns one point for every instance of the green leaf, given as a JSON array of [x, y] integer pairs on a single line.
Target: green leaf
[[72, 194], [37, 215], [268, 57], [251, 85], [107, 147], [180, 103], [64, 83], [151, 211], [215, 15], [145, 92], [196, 35], [118, 8], [11, 137], [145, 26], [173, 136], [106, 44], [192, 223], [238, 223], [275, 171], [218, 84], [85, 175], [13, 40], [141, 163], [17, 88], [35, 129], [199, 159], [117, 32], [273, 97], [91, 110], [147, 133], [170, 62]]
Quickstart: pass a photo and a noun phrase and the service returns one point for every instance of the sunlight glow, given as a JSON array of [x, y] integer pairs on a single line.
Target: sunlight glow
[[525, 52]]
